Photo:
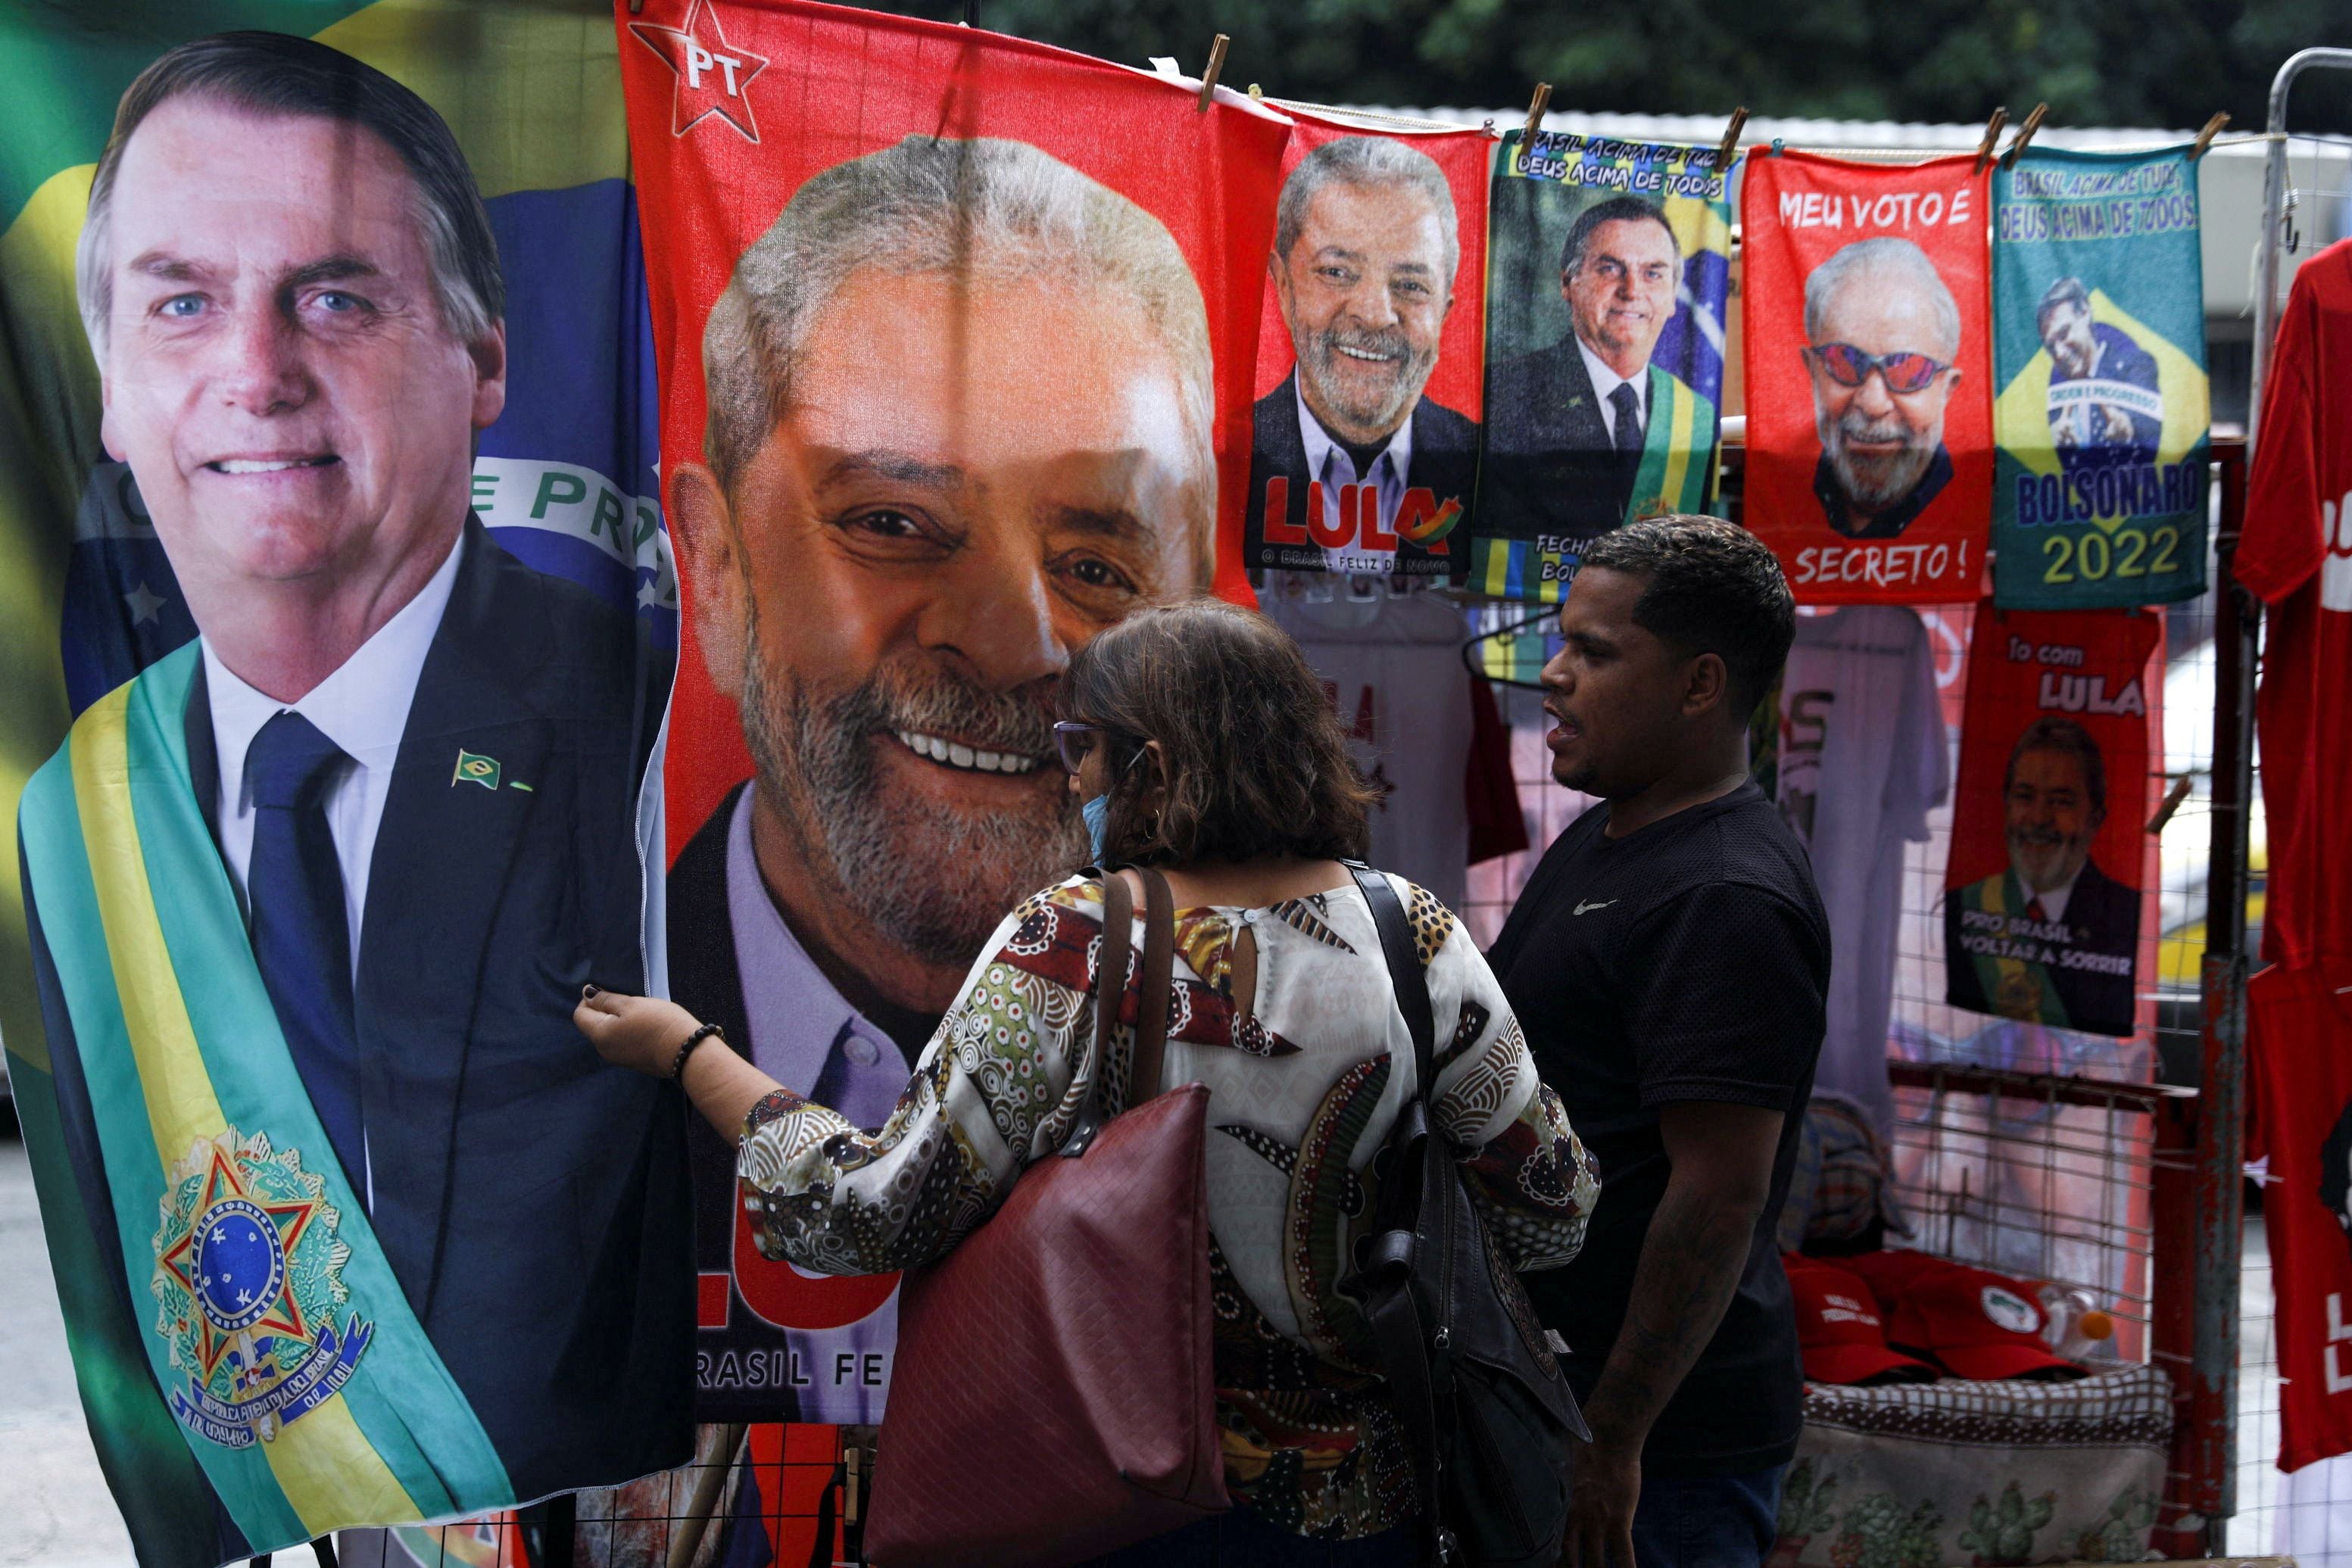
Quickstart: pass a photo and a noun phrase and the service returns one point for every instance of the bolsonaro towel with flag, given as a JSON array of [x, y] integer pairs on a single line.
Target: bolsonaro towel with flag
[[327, 442]]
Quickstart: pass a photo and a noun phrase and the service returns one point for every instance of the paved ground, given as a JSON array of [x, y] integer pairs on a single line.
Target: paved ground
[[52, 1498]]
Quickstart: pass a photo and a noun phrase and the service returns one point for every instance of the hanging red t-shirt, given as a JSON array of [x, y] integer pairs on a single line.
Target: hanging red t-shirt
[[2301, 1052], [2297, 554]]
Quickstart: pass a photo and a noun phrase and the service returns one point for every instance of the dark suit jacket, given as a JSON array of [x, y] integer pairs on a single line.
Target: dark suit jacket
[[531, 1199], [2103, 915], [1550, 467], [1444, 463]]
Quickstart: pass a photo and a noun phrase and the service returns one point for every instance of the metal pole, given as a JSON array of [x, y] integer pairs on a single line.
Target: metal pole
[[2221, 1154], [2274, 205]]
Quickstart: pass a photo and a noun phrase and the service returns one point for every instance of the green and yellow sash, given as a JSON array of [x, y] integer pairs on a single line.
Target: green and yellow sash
[[1677, 475], [1678, 471], [281, 1340], [2016, 988]]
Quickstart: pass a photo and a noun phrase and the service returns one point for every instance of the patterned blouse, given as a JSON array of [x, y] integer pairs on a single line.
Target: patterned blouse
[[1303, 1092]]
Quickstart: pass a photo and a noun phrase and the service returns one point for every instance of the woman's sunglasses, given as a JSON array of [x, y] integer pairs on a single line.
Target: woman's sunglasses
[[1850, 367], [1075, 739]]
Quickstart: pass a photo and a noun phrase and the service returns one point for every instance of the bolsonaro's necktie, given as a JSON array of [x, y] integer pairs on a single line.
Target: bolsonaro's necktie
[[1628, 404], [301, 935]]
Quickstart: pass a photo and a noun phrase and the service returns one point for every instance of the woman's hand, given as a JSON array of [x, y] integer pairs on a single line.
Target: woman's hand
[[639, 1032]]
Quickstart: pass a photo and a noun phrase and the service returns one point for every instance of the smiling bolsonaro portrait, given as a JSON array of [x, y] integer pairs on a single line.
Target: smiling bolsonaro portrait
[[1568, 425], [314, 896]]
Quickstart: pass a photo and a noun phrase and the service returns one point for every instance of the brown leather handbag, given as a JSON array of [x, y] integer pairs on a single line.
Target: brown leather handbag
[[1051, 1398]]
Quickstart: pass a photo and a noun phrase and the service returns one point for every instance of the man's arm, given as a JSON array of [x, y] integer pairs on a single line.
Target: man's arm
[[1721, 1158]]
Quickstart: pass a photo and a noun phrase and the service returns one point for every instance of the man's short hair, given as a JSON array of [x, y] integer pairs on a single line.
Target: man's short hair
[[278, 75], [1616, 210], [1707, 587], [1888, 253], [2064, 736], [2065, 291], [983, 209], [1367, 161]]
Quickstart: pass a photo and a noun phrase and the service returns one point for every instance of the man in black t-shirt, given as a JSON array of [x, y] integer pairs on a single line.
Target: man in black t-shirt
[[1668, 961]]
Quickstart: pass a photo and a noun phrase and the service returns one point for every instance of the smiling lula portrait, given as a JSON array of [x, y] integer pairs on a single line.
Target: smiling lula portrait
[[961, 420]]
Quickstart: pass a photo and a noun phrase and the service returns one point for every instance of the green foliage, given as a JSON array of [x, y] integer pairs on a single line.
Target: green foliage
[[2003, 1531], [1808, 1501], [2166, 63], [1877, 1532]]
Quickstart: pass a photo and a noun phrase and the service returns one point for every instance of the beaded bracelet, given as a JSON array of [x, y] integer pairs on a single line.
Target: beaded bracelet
[[707, 1031]]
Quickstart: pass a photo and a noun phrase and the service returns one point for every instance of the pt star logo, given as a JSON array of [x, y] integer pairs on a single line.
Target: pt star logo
[[713, 76]]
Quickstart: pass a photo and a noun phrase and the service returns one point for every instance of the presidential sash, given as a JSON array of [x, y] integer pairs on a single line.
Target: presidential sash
[[1678, 471], [280, 1338], [2014, 987]]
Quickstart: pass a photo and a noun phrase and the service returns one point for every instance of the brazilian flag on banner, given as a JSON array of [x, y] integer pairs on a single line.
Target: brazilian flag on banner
[[564, 480], [2102, 409]]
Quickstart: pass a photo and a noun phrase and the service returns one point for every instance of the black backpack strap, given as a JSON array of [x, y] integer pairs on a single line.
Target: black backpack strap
[[1110, 991], [1385, 1257], [1405, 973]]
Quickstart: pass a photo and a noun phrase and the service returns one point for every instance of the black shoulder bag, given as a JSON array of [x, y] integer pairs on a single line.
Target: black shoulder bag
[[1490, 1417]]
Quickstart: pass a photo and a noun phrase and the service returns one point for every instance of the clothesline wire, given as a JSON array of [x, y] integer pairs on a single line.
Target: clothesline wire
[[1412, 122]]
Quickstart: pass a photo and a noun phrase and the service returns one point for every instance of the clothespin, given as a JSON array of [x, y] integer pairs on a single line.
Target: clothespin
[[1492, 134], [636, 7], [2024, 134], [1535, 117], [1257, 93], [2205, 136], [1730, 140], [2163, 813], [1216, 65], [1991, 137]]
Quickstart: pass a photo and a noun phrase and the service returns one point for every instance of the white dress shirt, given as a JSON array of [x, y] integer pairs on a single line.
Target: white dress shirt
[[1331, 466], [363, 707], [799, 1023], [1605, 382], [2053, 903]]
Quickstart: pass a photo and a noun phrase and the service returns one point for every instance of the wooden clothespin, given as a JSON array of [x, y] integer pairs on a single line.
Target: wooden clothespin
[[1991, 137], [2172, 799], [2024, 134], [1730, 140], [1535, 117], [1217, 65], [2205, 136]]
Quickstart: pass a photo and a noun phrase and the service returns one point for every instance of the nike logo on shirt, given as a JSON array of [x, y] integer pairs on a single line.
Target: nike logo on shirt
[[1584, 909]]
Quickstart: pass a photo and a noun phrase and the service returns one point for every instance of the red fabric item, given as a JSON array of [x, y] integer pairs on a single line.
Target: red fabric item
[[2041, 684], [1890, 1274], [1974, 1323], [2300, 1049], [902, 518], [2297, 554], [1489, 793], [1931, 446], [1839, 1327]]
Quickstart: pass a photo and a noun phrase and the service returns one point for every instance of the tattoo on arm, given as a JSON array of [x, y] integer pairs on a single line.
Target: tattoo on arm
[[1690, 1264]]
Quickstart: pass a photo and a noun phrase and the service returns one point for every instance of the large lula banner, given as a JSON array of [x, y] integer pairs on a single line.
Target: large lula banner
[[957, 338], [2102, 412], [329, 421]]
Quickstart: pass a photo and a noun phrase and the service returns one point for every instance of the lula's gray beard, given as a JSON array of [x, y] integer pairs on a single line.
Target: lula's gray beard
[[933, 881]]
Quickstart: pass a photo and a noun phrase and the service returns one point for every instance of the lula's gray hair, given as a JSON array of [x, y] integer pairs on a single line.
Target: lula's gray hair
[[980, 210], [1888, 256], [1367, 161], [279, 76]]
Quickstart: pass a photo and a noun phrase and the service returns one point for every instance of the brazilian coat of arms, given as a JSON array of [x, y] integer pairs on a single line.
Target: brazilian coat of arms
[[249, 1273]]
